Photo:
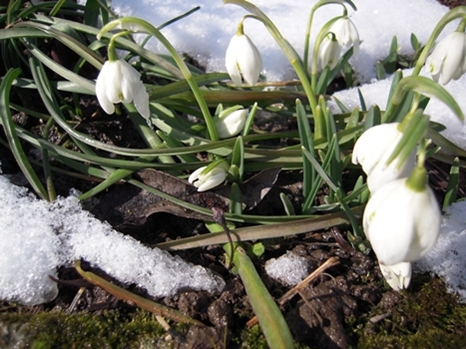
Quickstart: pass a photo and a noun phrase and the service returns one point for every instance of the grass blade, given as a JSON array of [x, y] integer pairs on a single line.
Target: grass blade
[[12, 137]]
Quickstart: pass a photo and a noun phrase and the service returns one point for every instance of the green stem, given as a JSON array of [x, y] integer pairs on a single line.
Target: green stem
[[112, 55]]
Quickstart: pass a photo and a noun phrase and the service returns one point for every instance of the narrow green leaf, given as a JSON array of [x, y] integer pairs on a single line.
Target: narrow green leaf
[[270, 318], [373, 117], [236, 199], [362, 102], [237, 157], [287, 204], [307, 142], [453, 181], [380, 71], [12, 137]]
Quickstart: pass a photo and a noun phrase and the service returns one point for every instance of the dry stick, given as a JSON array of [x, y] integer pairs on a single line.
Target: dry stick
[[75, 300], [332, 261], [125, 295]]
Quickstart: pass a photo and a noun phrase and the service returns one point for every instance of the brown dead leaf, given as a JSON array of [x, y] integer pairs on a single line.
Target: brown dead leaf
[[128, 205]]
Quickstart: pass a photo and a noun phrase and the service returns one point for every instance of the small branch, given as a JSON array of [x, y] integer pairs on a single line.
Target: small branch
[[332, 261]]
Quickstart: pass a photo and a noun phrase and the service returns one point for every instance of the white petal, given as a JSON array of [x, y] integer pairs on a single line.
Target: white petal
[[329, 52], [231, 124], [230, 61], [389, 223], [454, 58], [196, 174], [372, 151], [248, 59], [401, 224], [141, 100], [113, 82], [397, 276], [130, 81], [101, 90], [212, 179]]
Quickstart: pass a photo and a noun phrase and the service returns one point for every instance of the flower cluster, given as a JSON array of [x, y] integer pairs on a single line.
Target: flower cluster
[[342, 33], [402, 218]]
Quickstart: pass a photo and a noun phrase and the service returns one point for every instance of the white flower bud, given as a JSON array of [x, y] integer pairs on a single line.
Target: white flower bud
[[230, 124], [208, 177], [329, 53]]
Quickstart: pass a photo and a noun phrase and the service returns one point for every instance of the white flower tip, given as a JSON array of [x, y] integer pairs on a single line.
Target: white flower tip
[[398, 276]]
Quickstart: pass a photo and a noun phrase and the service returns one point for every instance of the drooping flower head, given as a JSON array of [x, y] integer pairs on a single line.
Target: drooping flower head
[[372, 151], [119, 82], [448, 59], [330, 50], [346, 34], [242, 59], [402, 220], [208, 177], [230, 122]]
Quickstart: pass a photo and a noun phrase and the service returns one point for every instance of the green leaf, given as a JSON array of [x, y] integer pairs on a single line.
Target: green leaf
[[307, 141], [413, 132], [453, 181], [380, 71], [287, 204], [428, 88], [373, 117], [12, 137], [258, 249], [362, 102], [270, 318]]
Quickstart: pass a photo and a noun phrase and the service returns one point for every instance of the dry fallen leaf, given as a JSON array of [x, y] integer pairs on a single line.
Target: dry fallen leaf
[[129, 205]]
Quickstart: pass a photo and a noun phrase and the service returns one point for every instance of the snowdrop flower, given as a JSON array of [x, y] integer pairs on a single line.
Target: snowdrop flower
[[398, 275], [448, 60], [374, 148], [230, 123], [402, 223], [330, 50], [119, 82], [346, 33], [208, 177], [242, 59]]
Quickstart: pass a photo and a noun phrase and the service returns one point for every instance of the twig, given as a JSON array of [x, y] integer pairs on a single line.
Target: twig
[[332, 261], [125, 295]]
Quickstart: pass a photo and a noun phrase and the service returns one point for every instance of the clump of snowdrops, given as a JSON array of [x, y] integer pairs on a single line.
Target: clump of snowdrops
[[386, 149]]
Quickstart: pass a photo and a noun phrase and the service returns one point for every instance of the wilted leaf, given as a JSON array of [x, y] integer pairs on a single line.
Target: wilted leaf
[[128, 205]]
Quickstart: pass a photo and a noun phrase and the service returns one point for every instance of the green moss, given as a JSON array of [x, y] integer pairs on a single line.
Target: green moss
[[426, 316], [111, 329]]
